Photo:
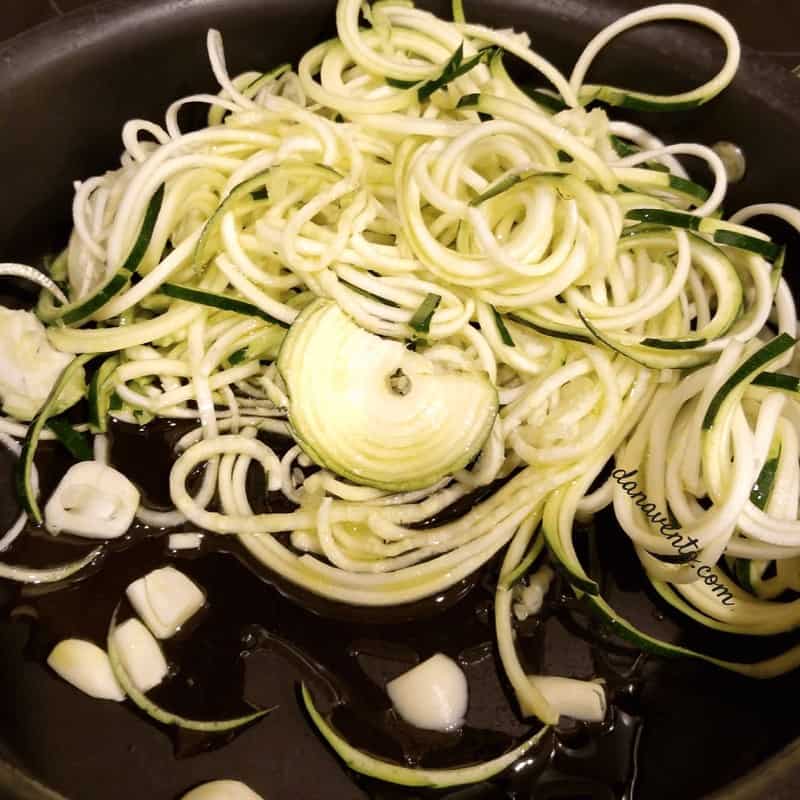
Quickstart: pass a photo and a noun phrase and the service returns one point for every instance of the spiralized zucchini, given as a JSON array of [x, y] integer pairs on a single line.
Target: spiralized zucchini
[[569, 260]]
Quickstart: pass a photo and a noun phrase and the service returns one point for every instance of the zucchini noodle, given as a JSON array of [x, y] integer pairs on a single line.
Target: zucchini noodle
[[401, 176]]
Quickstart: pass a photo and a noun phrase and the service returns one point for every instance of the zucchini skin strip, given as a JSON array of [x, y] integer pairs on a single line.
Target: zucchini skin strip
[[36, 576], [758, 362], [768, 668], [722, 233], [141, 701], [643, 101], [100, 392], [74, 441], [373, 767], [81, 310], [777, 380], [221, 301], [421, 321]]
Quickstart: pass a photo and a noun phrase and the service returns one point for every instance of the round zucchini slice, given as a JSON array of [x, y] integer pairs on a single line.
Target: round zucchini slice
[[374, 412]]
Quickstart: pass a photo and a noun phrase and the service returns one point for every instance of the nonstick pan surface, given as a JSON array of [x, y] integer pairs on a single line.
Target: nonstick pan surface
[[65, 90]]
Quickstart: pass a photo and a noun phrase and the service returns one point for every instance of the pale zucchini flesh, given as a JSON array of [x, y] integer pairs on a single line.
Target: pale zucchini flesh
[[375, 412]]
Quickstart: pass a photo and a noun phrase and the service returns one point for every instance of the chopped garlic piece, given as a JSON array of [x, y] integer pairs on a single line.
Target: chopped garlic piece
[[30, 366], [92, 500], [584, 700], [185, 541], [531, 597], [86, 667], [164, 599], [732, 159], [222, 790], [433, 695], [140, 655]]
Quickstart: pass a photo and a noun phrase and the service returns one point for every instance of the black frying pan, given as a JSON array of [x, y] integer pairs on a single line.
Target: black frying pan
[[65, 90]]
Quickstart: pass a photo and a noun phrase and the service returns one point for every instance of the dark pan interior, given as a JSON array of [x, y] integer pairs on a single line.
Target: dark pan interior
[[65, 90]]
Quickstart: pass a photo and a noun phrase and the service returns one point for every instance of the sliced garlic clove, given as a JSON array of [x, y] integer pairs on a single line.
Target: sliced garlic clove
[[92, 500], [87, 667], [433, 695], [222, 790], [165, 598], [140, 655], [584, 700]]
